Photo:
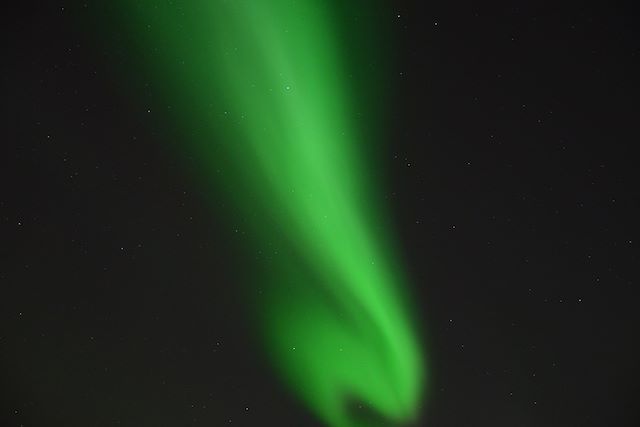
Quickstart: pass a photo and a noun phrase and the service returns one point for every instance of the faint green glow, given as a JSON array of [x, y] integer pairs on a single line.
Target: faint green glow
[[261, 90]]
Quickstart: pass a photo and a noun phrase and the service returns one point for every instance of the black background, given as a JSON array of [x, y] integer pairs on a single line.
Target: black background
[[514, 185]]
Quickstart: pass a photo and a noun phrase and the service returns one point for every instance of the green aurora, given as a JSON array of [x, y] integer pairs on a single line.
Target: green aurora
[[263, 93]]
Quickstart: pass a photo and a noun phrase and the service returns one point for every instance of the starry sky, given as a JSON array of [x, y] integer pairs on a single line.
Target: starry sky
[[511, 175]]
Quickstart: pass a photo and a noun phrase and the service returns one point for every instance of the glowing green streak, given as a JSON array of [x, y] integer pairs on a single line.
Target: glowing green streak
[[264, 82]]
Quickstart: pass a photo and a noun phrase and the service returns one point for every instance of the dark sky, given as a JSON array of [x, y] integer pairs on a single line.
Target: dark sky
[[514, 179]]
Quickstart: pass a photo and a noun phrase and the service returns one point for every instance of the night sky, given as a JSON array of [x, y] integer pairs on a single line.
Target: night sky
[[512, 176]]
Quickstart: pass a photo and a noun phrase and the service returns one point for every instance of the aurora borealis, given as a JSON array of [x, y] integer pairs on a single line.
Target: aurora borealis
[[319, 213], [269, 83]]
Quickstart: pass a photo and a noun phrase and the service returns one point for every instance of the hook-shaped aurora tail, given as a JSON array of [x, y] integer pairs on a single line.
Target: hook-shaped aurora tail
[[262, 91]]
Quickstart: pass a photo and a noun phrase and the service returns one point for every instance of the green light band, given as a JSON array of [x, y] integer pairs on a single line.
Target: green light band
[[261, 89]]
